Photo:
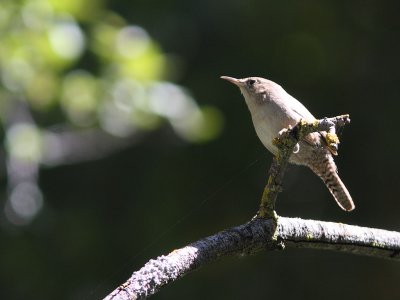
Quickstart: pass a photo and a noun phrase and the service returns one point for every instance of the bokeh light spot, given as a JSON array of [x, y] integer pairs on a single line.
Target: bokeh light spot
[[37, 14], [16, 74], [80, 93], [115, 121], [24, 142], [25, 202], [128, 95], [170, 101], [132, 41], [67, 39]]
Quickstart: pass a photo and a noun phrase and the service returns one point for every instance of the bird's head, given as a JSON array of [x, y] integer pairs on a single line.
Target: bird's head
[[256, 90]]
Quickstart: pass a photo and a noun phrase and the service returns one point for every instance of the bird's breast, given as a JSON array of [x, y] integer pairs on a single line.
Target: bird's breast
[[268, 121]]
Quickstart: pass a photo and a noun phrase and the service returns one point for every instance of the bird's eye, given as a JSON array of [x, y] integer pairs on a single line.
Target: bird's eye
[[251, 82]]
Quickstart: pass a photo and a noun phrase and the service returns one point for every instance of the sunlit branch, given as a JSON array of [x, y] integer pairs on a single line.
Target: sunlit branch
[[257, 235]]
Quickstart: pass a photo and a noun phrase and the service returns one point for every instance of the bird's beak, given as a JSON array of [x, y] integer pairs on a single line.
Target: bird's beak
[[235, 81]]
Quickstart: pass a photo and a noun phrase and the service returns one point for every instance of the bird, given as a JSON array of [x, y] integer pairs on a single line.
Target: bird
[[273, 109]]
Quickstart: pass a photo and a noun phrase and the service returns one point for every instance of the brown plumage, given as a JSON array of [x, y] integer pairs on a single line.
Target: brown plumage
[[273, 109], [319, 159]]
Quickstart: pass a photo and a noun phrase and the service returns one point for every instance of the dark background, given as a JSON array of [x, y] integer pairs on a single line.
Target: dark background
[[104, 219]]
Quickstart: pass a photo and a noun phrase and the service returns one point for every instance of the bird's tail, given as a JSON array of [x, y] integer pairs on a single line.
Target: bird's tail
[[326, 169]]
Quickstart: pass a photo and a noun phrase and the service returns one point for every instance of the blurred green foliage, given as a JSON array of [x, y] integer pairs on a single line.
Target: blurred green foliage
[[83, 66], [86, 60]]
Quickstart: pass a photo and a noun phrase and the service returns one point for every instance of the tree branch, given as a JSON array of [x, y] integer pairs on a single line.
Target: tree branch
[[258, 234], [266, 230]]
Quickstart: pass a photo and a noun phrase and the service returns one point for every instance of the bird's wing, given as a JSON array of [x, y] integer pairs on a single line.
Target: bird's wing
[[316, 138], [312, 139], [298, 108]]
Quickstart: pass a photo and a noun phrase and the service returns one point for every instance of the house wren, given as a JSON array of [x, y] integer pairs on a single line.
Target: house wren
[[273, 109]]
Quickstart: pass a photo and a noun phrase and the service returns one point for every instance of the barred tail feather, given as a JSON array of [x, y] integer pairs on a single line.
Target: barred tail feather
[[340, 193], [326, 170]]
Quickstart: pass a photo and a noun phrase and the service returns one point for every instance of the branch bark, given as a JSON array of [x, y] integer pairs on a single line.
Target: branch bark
[[252, 237]]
